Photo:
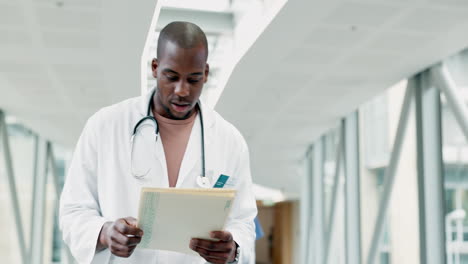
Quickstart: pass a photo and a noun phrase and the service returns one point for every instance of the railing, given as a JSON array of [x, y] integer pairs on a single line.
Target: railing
[[455, 245]]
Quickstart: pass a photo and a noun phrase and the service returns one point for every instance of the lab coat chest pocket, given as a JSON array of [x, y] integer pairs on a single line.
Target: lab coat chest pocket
[[219, 179]]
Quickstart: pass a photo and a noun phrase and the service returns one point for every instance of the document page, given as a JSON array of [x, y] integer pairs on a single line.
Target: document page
[[171, 217]]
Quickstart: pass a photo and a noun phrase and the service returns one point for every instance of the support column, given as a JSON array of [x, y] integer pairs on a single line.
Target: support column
[[334, 196], [318, 223], [38, 202], [352, 202], [430, 171], [306, 214]]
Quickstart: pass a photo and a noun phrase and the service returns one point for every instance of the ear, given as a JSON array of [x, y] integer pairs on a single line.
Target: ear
[[154, 67], [207, 72]]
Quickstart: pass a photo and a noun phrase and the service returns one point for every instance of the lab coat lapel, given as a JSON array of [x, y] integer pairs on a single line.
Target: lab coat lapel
[[193, 151], [160, 156]]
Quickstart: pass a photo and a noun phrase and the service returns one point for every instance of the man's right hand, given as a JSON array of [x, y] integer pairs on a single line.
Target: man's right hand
[[121, 237]]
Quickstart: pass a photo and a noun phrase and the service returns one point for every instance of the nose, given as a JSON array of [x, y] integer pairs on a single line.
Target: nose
[[182, 89]]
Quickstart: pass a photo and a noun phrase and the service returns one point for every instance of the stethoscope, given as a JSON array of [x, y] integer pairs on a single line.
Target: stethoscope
[[202, 180]]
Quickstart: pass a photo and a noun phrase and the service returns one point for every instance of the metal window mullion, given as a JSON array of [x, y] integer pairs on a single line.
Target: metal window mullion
[[12, 187], [52, 163], [39, 203], [430, 171], [34, 194], [53, 169], [306, 205], [334, 196], [455, 100], [390, 174], [352, 202]]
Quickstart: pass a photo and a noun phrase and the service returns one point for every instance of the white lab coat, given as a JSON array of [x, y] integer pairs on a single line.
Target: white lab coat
[[99, 186]]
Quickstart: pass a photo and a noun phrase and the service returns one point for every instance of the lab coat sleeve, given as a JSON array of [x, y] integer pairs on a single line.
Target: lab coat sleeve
[[241, 221], [80, 215]]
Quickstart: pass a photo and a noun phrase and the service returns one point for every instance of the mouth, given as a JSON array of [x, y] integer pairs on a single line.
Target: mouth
[[180, 107]]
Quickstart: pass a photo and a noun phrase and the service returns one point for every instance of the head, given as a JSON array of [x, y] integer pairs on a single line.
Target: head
[[180, 69]]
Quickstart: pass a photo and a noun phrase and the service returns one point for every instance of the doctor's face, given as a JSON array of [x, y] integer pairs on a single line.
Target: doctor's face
[[180, 74]]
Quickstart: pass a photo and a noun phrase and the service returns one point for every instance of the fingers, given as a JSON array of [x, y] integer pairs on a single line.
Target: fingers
[[214, 257], [216, 246], [222, 235], [125, 240], [124, 236], [122, 251], [131, 221], [122, 248], [213, 251], [122, 225]]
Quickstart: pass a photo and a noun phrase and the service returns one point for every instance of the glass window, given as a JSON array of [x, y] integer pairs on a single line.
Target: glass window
[[375, 119], [378, 124], [455, 156], [22, 143]]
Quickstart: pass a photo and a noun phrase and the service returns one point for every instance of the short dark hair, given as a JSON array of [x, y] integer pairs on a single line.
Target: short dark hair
[[185, 34]]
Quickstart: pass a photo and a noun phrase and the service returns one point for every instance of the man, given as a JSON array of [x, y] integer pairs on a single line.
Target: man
[[100, 198]]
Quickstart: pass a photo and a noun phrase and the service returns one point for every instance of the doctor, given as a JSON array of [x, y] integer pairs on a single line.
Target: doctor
[[192, 146]]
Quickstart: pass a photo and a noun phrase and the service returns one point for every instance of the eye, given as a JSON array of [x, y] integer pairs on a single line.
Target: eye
[[172, 78], [193, 80]]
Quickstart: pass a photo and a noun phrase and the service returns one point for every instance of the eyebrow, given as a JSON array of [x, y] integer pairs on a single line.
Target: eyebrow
[[174, 72], [170, 71], [197, 73]]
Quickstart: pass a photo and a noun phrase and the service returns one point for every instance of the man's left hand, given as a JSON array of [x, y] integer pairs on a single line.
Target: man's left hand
[[218, 252]]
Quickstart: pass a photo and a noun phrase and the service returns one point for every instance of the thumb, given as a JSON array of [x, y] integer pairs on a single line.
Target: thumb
[[131, 221]]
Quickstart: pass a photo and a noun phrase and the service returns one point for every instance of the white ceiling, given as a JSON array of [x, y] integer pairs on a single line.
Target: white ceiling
[[319, 60], [61, 60], [314, 63]]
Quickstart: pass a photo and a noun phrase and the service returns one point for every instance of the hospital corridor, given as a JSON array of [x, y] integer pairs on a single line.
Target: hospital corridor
[[234, 131]]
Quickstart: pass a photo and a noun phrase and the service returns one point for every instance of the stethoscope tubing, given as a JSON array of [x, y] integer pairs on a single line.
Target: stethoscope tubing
[[150, 117]]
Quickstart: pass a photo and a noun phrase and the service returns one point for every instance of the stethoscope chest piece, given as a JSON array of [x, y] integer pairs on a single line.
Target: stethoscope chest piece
[[203, 182]]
